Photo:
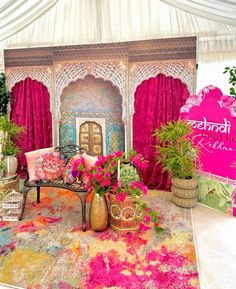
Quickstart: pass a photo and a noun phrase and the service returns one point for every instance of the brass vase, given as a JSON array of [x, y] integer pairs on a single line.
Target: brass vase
[[98, 214]]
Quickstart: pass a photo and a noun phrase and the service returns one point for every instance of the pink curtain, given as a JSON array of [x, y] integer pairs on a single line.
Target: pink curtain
[[30, 107], [157, 100]]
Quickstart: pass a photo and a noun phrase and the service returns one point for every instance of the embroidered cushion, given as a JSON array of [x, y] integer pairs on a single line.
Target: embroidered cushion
[[31, 158], [89, 163], [49, 166], [74, 169]]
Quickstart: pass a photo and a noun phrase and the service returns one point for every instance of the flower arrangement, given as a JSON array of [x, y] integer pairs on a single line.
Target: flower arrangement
[[104, 178]]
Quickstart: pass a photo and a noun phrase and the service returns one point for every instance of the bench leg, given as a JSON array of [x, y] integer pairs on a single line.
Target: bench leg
[[23, 205], [83, 205], [38, 194]]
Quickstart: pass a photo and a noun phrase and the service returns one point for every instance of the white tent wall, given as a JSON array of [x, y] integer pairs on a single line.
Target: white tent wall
[[33, 23]]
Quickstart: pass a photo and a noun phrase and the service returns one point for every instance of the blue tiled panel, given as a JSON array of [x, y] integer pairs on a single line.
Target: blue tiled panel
[[92, 98]]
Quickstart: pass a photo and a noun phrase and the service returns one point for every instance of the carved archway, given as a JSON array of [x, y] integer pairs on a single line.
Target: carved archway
[[113, 71], [40, 73], [183, 71]]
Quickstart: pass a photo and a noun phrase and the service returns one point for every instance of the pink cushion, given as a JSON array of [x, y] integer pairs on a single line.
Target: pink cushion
[[89, 163], [49, 166], [74, 169], [31, 158]]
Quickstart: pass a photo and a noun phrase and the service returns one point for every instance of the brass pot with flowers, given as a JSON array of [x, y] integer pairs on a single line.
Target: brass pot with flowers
[[128, 211]]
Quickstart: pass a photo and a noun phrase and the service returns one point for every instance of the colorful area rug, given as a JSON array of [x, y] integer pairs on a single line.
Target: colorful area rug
[[47, 250]]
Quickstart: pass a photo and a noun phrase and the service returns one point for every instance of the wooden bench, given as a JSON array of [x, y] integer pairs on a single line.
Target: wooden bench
[[66, 152]]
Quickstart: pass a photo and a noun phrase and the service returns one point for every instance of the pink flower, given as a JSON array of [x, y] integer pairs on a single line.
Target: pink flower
[[107, 174], [98, 177], [110, 157], [143, 227], [118, 154], [146, 219], [114, 187], [120, 197], [147, 210], [105, 183], [113, 164]]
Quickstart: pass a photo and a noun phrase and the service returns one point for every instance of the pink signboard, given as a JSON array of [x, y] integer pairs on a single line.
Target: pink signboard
[[213, 119]]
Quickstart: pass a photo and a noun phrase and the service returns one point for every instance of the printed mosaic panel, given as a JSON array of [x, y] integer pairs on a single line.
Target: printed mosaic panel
[[115, 138], [92, 98]]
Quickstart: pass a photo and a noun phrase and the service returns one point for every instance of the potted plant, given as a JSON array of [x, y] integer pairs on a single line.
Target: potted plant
[[178, 156], [128, 173], [127, 209], [9, 131]]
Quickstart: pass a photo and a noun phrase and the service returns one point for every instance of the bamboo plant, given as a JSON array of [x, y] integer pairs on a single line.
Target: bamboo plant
[[175, 149]]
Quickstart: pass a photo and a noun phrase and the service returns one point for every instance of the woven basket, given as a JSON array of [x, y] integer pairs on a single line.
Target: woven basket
[[185, 203], [187, 184], [182, 193]]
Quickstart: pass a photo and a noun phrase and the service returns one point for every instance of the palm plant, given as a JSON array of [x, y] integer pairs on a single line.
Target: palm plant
[[176, 151]]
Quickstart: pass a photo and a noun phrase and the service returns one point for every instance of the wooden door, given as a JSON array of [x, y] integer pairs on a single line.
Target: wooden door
[[91, 138]]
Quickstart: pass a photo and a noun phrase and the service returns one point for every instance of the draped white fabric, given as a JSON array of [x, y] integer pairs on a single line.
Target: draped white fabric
[[30, 23], [15, 15], [218, 10]]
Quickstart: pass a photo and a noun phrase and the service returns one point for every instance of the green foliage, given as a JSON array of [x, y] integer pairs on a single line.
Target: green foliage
[[2, 165], [10, 132], [4, 95], [232, 80], [12, 129], [11, 148], [175, 149], [128, 173]]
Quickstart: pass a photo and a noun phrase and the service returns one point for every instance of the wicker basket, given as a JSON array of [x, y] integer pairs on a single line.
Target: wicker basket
[[187, 184], [185, 203], [182, 193]]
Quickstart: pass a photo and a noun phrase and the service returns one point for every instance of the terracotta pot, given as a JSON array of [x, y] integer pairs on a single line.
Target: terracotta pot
[[124, 216], [98, 214]]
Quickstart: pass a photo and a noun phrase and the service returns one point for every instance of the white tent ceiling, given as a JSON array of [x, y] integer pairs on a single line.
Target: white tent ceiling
[[30, 23]]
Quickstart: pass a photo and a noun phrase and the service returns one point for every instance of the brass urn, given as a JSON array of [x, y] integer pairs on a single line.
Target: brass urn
[[98, 214]]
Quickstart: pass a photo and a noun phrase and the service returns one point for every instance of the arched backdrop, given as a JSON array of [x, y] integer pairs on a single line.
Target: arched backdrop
[[30, 108]]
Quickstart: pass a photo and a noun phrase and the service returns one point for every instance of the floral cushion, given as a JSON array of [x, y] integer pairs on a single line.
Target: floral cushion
[[49, 166], [74, 169], [89, 163], [31, 158]]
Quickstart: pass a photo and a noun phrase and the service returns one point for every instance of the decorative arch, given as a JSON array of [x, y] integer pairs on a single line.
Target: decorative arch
[[41, 74], [114, 72], [183, 71], [92, 98]]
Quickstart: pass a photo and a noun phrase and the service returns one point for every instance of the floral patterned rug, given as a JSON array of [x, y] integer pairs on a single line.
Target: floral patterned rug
[[48, 250]]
